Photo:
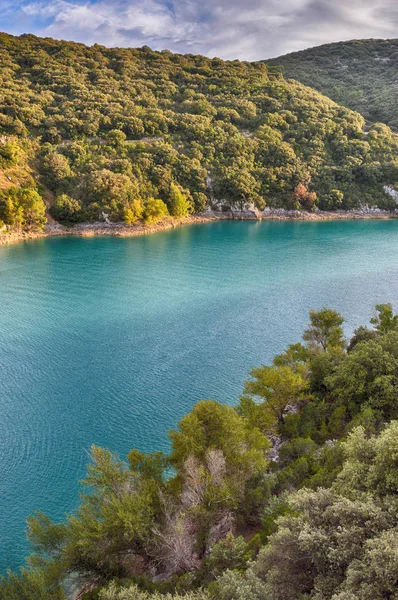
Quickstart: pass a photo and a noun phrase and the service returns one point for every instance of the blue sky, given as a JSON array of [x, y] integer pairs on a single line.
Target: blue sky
[[244, 29]]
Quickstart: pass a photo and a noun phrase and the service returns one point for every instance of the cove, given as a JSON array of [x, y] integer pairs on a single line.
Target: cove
[[110, 341]]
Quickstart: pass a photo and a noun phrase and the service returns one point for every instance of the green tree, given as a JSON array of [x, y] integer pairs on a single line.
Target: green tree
[[10, 153], [134, 212], [178, 202], [112, 191], [325, 330], [29, 584], [56, 169], [339, 543], [23, 208], [368, 377], [118, 512], [214, 426], [361, 334], [229, 553], [116, 138], [67, 209], [132, 592], [276, 387], [386, 320], [154, 211], [33, 207]]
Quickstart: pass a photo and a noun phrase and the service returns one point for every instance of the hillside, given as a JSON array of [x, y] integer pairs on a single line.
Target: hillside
[[360, 74], [137, 135]]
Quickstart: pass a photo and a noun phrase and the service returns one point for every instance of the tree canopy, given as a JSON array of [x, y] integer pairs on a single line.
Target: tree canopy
[[110, 128], [359, 74]]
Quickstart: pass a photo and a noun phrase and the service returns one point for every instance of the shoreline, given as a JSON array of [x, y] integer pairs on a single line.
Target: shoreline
[[53, 229]]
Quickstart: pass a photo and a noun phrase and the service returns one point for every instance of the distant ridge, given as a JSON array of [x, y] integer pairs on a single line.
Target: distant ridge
[[359, 74]]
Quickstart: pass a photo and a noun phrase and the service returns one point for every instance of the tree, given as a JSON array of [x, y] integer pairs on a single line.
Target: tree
[[214, 426], [241, 187], [134, 212], [325, 331], [368, 377], [277, 387], [113, 191], [178, 202], [332, 200], [386, 320], [370, 465], [229, 553], [233, 585], [154, 211], [374, 577], [29, 584], [33, 208], [216, 455], [67, 209], [132, 592], [341, 542], [116, 138], [10, 153], [23, 208], [56, 169], [303, 198], [296, 357], [361, 334], [118, 512], [313, 550]]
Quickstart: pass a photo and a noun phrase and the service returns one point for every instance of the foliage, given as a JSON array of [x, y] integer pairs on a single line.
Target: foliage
[[118, 512], [114, 592], [368, 377], [229, 553], [178, 202], [325, 330], [385, 320], [23, 208], [154, 211], [134, 213], [214, 426], [29, 584], [343, 540], [359, 74], [277, 387], [110, 127], [66, 209]]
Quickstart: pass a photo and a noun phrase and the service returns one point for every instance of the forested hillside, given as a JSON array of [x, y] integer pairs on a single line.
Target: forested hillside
[[136, 134], [292, 494], [360, 74]]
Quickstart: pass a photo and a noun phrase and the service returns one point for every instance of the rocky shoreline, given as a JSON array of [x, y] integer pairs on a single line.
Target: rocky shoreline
[[53, 229]]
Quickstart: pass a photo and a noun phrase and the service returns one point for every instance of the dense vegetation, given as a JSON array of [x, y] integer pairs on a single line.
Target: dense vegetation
[[138, 135], [360, 74], [292, 494]]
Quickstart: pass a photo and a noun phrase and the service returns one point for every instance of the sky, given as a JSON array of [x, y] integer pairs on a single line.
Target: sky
[[229, 29]]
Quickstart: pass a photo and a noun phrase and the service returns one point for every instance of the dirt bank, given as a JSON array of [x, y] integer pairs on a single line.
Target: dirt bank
[[120, 229]]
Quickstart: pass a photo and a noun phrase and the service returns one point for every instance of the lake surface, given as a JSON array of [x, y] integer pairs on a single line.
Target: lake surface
[[110, 341]]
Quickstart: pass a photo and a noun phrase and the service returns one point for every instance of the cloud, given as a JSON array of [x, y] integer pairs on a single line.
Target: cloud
[[250, 30]]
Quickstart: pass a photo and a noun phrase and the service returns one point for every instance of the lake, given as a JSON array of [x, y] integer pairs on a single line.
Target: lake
[[110, 341]]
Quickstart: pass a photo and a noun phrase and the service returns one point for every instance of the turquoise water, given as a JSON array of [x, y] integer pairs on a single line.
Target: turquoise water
[[110, 341]]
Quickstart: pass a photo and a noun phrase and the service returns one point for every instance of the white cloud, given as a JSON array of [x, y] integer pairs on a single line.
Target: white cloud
[[249, 29]]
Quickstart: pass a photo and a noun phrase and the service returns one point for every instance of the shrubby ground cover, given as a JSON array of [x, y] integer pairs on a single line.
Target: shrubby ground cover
[[136, 134]]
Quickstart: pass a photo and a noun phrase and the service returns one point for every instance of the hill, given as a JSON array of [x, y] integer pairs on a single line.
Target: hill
[[360, 74], [136, 134]]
